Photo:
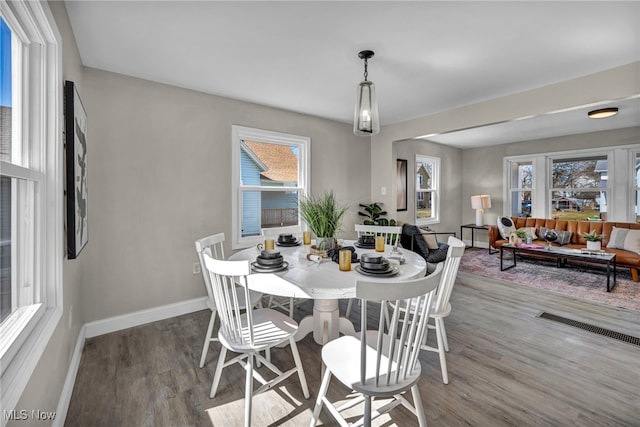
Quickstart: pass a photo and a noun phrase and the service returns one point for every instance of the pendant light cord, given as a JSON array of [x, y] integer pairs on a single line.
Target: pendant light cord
[[366, 73]]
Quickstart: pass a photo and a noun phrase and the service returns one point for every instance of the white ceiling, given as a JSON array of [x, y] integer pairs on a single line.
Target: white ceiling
[[302, 55]]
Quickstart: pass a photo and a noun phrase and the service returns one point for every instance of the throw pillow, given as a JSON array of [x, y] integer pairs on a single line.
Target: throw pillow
[[505, 226], [624, 238], [564, 237], [530, 231], [430, 240]]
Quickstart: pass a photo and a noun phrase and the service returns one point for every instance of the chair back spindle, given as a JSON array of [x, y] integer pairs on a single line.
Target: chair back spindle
[[397, 351], [225, 276]]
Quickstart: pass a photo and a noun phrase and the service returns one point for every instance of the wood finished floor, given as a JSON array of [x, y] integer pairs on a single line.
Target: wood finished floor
[[506, 368]]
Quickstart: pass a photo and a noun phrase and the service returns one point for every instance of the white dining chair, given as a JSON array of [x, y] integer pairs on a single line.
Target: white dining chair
[[214, 247], [441, 306], [391, 235], [286, 304], [390, 232], [250, 332], [376, 364]]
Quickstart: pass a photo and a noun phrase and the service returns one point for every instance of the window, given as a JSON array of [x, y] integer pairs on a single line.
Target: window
[[579, 188], [520, 183], [635, 177], [575, 185], [270, 173], [31, 245], [427, 190]]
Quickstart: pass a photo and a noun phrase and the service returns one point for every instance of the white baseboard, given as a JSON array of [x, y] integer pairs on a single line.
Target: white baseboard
[[70, 380], [137, 318], [114, 324]]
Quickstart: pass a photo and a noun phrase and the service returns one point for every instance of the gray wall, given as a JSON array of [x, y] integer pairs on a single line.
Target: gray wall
[[450, 181], [44, 388], [160, 177]]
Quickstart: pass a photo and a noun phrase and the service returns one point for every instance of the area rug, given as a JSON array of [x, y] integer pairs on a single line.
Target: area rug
[[574, 281]]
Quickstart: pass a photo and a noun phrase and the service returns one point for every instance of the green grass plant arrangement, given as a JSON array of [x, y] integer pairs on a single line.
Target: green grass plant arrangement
[[322, 213]]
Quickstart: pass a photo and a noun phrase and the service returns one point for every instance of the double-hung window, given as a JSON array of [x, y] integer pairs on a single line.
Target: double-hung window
[[520, 184], [31, 245], [427, 177], [600, 184], [270, 175]]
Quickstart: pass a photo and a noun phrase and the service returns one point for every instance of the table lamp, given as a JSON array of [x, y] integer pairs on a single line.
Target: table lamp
[[479, 203]]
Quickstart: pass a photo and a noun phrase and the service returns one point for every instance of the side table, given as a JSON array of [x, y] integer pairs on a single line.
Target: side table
[[473, 228]]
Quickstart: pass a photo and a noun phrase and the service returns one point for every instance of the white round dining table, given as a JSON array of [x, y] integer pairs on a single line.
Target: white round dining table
[[324, 283]]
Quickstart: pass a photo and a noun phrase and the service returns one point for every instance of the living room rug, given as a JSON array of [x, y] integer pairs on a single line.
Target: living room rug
[[574, 280]]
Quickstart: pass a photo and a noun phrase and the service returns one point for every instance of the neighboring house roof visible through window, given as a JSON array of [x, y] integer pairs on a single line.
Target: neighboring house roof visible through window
[[281, 162]]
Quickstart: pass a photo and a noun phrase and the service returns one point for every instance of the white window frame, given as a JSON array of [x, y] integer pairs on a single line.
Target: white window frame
[[435, 190], [634, 176], [620, 183], [241, 133], [37, 115], [511, 190]]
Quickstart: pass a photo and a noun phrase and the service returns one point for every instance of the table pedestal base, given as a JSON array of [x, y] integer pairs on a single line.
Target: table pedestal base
[[326, 323]]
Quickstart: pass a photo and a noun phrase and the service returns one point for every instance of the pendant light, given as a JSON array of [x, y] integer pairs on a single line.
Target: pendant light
[[365, 120]]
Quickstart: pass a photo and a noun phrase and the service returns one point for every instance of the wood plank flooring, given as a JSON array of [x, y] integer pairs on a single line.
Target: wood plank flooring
[[506, 368]]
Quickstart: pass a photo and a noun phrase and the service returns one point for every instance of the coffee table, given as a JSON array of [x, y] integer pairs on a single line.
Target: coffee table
[[562, 255]]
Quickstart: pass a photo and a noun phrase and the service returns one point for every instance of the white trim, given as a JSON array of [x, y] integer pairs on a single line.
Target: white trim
[[238, 135], [435, 191], [40, 125], [137, 318], [70, 380], [114, 324]]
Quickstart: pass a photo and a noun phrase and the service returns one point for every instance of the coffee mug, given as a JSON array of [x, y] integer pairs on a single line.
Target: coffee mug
[[269, 244]]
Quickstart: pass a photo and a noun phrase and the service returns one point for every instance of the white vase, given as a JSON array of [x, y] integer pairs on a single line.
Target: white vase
[[594, 246]]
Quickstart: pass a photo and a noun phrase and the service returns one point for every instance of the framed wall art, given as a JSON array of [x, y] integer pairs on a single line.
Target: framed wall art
[[75, 125], [401, 184]]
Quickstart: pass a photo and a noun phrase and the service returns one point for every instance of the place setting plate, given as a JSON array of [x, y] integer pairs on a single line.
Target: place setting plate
[[392, 271], [364, 245], [266, 269], [289, 244]]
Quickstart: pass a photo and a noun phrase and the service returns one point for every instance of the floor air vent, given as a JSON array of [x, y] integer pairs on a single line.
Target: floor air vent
[[591, 328]]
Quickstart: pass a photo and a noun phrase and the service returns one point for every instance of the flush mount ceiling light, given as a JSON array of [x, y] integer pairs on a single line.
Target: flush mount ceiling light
[[365, 120], [603, 113]]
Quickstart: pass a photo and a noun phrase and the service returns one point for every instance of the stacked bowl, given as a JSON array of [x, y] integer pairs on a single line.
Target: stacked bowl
[[269, 261], [366, 241], [374, 264]]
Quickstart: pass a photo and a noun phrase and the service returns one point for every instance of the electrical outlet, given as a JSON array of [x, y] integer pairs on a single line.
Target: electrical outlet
[[196, 268], [383, 191]]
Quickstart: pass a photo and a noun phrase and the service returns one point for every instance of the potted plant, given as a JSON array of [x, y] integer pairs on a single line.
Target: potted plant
[[372, 212], [518, 236], [324, 215], [594, 240]]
